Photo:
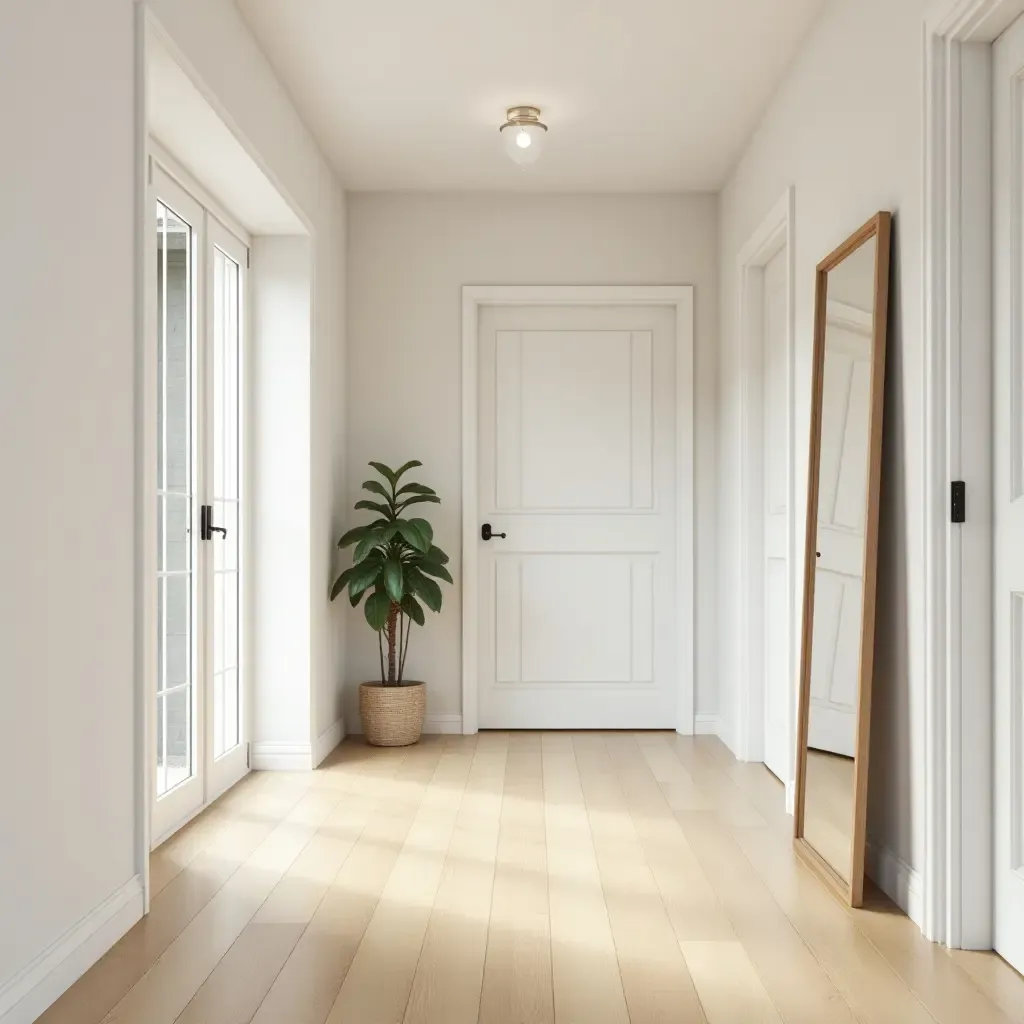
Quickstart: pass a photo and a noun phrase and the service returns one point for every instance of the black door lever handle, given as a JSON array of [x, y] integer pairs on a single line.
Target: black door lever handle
[[488, 534], [206, 527]]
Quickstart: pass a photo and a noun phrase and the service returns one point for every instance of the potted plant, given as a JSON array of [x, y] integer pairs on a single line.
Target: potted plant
[[395, 566]]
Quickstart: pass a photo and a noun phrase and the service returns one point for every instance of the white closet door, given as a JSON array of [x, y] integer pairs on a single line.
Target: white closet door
[[1008, 497], [778, 683], [577, 458], [839, 581]]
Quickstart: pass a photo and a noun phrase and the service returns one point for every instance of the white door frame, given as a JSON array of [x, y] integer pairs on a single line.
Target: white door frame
[[776, 231], [680, 299], [957, 431]]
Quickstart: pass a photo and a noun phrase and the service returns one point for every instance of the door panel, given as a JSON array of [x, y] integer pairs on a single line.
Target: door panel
[[778, 682], [840, 568], [577, 452], [224, 461], [178, 776], [1008, 496]]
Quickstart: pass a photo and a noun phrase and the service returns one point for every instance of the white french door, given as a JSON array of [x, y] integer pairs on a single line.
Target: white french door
[[577, 502], [200, 293], [1008, 496]]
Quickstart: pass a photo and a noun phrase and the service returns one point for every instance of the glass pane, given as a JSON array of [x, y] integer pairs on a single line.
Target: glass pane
[[161, 744], [178, 722], [175, 312], [177, 630], [226, 493], [177, 533]]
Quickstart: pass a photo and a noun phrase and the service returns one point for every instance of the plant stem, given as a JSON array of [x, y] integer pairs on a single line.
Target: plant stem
[[380, 649], [401, 634], [408, 634], [392, 628]]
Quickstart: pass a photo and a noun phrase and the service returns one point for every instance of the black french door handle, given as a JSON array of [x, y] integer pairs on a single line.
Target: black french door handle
[[206, 527], [488, 534]]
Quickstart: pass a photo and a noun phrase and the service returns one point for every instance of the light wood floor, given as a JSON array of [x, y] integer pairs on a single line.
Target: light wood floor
[[518, 879]]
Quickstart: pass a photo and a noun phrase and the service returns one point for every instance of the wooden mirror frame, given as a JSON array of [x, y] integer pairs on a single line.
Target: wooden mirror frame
[[879, 227]]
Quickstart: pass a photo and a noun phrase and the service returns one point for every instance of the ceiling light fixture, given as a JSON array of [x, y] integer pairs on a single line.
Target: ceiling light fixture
[[523, 134]]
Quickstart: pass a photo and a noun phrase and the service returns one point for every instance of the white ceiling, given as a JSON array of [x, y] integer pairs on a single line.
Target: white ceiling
[[184, 122], [640, 95]]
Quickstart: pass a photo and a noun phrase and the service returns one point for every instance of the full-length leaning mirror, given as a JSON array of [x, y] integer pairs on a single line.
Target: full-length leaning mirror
[[850, 322]]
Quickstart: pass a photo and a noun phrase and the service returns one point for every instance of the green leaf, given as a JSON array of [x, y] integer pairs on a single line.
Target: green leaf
[[364, 574], [393, 583], [413, 464], [366, 546], [435, 554], [412, 608], [427, 530], [412, 533], [415, 489], [376, 610], [341, 582], [353, 536], [417, 499], [378, 535], [425, 588], [376, 487], [375, 506], [388, 474], [434, 569], [355, 598]]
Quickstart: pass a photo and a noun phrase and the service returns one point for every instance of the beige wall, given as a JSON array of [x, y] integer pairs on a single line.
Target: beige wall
[[409, 256]]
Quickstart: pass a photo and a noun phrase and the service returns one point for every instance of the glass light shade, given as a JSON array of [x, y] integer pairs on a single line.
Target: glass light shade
[[523, 142]]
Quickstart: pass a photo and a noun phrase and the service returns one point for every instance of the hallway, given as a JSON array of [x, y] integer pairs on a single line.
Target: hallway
[[518, 878]]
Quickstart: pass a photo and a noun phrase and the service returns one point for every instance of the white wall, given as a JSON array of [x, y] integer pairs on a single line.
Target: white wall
[[280, 490], [211, 41], [409, 256], [845, 129], [67, 530]]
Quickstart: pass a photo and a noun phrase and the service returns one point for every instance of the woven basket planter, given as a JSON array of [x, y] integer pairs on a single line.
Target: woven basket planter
[[392, 715]]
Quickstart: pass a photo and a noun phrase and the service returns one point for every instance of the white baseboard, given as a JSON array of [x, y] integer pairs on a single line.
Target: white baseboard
[[37, 986], [443, 725], [327, 741], [790, 798], [898, 880], [706, 725], [281, 757]]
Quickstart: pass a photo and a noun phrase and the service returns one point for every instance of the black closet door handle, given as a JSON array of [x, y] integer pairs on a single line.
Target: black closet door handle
[[488, 534]]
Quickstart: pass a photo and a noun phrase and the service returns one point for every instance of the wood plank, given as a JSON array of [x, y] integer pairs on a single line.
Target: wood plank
[[377, 986], [861, 974], [584, 966], [449, 975], [795, 982], [517, 986], [655, 980], [306, 988], [166, 988], [233, 992], [692, 905], [101, 988], [730, 989]]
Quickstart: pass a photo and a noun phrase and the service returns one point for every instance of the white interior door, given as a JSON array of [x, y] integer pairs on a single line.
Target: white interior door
[[839, 578], [1008, 497], [199, 746], [778, 683], [577, 454]]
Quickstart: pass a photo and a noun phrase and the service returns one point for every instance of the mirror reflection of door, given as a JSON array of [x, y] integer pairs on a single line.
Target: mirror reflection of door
[[839, 562]]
